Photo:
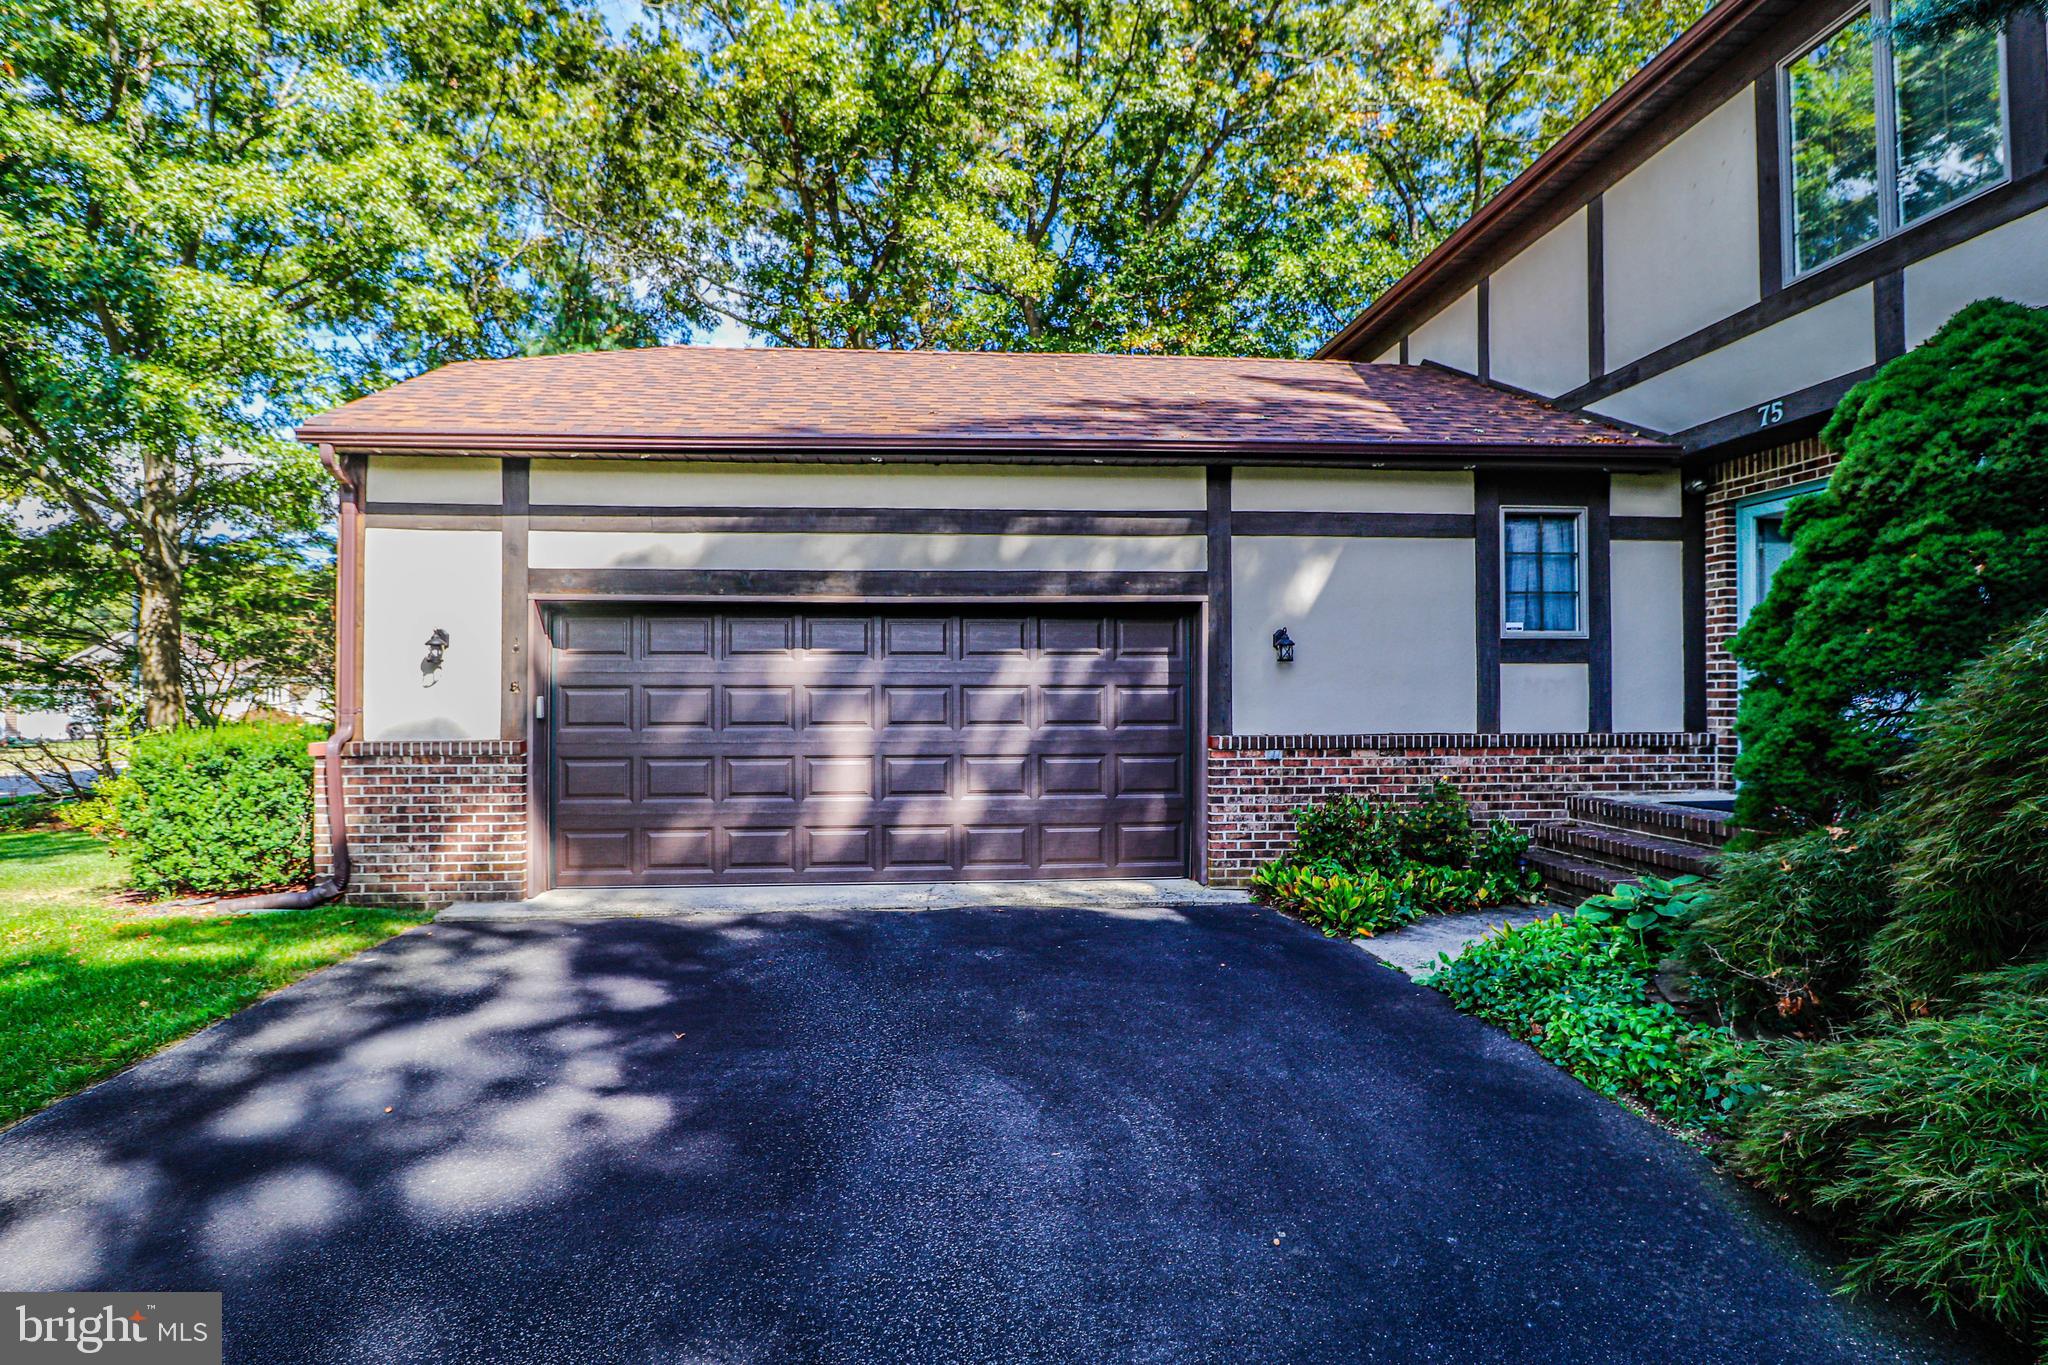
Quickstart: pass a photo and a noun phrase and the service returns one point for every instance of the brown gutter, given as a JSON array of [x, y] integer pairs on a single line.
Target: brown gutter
[[1704, 33], [347, 711], [1601, 443]]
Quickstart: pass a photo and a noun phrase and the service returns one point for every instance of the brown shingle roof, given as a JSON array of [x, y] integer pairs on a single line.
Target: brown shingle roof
[[700, 401]]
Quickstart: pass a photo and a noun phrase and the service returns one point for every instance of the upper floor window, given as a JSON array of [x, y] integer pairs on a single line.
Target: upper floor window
[[1883, 130]]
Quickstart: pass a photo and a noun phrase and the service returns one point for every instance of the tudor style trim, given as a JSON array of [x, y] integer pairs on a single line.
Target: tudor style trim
[[1646, 528], [514, 480], [1596, 286], [1393, 525], [862, 585], [1218, 639]]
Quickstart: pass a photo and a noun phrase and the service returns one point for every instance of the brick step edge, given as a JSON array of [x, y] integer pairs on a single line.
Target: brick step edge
[[1627, 849], [1678, 823], [1573, 879]]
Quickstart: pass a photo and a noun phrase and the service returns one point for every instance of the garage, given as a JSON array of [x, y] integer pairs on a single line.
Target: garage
[[787, 744]]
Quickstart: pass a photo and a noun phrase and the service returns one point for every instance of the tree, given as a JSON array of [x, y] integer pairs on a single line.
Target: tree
[[1927, 542], [217, 215], [1168, 175], [1946, 18]]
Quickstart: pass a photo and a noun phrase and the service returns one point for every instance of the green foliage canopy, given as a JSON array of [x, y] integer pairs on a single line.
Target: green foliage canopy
[[1928, 541]]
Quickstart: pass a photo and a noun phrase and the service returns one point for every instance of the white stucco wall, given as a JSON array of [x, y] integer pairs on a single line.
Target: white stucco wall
[[1827, 340], [2008, 262], [1647, 598], [1369, 490], [853, 550], [434, 478], [1390, 356], [415, 582], [1646, 495], [1544, 697], [1383, 629], [1451, 337], [1680, 240], [652, 483], [1536, 337]]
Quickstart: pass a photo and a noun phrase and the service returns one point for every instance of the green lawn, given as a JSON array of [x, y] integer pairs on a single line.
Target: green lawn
[[88, 985]]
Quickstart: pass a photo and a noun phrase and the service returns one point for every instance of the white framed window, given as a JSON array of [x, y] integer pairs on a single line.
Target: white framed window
[[1880, 131], [1543, 572]]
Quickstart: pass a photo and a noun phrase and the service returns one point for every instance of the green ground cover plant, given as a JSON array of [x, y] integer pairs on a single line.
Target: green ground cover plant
[[1357, 869], [88, 986], [1575, 988]]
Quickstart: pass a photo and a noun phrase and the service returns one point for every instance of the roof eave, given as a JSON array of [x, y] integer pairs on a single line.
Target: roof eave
[[1623, 453]]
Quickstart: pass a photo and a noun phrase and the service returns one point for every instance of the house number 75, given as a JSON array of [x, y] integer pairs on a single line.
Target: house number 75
[[1771, 413]]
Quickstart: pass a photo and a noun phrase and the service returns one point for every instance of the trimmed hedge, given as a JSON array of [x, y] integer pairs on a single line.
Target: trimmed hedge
[[221, 810]]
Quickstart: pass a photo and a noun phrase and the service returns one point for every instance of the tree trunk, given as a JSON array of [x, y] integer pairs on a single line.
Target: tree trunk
[[160, 595]]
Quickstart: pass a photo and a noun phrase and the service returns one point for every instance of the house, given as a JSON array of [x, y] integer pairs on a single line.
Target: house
[[678, 617], [1780, 202]]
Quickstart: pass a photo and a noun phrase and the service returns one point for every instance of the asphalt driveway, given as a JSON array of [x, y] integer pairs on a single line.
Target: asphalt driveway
[[1206, 1134]]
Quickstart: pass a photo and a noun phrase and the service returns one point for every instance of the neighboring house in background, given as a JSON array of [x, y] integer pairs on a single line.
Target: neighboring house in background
[[679, 616], [1781, 201], [19, 726]]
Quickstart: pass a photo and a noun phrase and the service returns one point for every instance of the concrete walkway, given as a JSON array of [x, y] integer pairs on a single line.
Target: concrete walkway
[[1101, 894], [1416, 948]]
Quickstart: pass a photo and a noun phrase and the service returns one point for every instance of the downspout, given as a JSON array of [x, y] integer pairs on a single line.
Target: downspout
[[346, 711]]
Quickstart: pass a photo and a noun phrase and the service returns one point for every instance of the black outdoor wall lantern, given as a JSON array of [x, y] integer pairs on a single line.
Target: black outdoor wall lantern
[[1283, 645], [437, 646]]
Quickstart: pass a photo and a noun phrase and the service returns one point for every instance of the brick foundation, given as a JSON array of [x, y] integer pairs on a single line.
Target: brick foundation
[[1746, 476], [431, 821], [1256, 780]]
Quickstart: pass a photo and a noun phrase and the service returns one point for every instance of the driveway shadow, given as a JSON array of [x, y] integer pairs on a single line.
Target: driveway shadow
[[1202, 1134]]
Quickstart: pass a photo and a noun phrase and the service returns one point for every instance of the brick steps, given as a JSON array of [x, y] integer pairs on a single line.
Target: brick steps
[[1691, 824], [1609, 840], [1627, 848]]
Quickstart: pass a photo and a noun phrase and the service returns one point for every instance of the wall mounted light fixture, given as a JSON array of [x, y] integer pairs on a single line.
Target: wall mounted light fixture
[[430, 667], [1283, 645]]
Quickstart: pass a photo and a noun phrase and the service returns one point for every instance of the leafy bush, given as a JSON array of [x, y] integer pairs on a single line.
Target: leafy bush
[[229, 809], [1649, 907], [1972, 877], [1785, 932], [1436, 830], [1499, 850], [1347, 830], [1576, 991], [1927, 542], [1926, 1143], [26, 812], [1341, 904]]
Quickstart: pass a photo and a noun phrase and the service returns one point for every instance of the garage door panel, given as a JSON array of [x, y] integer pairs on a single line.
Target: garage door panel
[[762, 848], [760, 708], [766, 746], [840, 707], [916, 775], [745, 635], [685, 708], [914, 638], [839, 777], [677, 778], [678, 637]]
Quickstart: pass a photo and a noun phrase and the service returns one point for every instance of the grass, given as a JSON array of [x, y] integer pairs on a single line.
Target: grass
[[89, 985]]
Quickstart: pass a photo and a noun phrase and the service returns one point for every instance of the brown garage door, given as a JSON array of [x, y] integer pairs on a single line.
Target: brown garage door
[[788, 745]]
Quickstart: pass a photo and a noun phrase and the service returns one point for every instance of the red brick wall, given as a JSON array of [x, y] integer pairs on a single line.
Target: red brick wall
[[431, 821], [1764, 471], [1525, 778]]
